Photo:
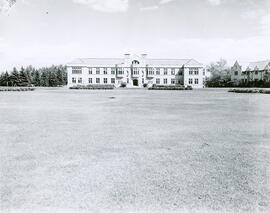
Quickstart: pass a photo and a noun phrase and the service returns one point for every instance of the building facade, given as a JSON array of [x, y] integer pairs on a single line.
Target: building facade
[[136, 71], [255, 71]]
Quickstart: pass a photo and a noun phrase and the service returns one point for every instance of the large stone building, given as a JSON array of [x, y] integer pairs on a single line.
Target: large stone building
[[136, 71], [255, 71]]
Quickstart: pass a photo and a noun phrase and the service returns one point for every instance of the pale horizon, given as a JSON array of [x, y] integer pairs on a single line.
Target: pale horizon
[[42, 33]]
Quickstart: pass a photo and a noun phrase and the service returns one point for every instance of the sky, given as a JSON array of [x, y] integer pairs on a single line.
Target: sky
[[45, 32]]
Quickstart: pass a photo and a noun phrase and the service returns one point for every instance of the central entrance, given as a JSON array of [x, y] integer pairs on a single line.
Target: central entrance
[[135, 82]]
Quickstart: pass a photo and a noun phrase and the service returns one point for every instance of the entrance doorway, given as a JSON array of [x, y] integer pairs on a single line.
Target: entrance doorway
[[135, 82]]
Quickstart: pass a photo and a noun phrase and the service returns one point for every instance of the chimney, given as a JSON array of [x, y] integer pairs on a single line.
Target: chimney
[[144, 55], [127, 56], [127, 59]]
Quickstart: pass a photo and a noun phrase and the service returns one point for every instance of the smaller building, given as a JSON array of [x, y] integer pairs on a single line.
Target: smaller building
[[255, 71]]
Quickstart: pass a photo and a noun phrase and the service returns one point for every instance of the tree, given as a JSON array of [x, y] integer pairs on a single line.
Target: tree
[[46, 76], [4, 79], [220, 74], [36, 78], [43, 80], [60, 76], [23, 80], [14, 77]]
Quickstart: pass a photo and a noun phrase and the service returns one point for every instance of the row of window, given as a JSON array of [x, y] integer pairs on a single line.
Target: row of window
[[196, 81], [105, 71], [196, 72], [151, 71], [90, 80], [236, 73], [165, 81], [121, 72], [112, 81]]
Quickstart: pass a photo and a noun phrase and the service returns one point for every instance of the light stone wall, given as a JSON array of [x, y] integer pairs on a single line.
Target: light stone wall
[[142, 77]]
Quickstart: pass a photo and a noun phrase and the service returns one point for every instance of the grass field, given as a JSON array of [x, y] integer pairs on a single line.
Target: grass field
[[129, 150]]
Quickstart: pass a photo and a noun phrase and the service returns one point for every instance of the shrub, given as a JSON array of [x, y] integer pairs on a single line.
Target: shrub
[[188, 88], [168, 87], [123, 84], [250, 91], [16, 89], [93, 86]]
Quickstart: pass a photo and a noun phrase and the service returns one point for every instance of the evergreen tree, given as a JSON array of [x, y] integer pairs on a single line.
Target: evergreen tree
[[23, 81], [60, 76], [14, 77], [28, 71], [43, 80], [6, 79], [36, 78], [50, 76], [3, 79], [52, 79]]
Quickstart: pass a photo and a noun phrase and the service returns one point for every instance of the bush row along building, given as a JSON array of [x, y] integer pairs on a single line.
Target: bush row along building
[[136, 71], [255, 71]]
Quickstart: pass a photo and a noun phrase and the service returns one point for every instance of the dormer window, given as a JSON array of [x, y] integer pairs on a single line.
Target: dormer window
[[135, 62]]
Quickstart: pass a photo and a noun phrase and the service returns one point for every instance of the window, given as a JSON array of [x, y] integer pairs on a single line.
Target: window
[[135, 62], [151, 71], [143, 81], [90, 71], [98, 80], [165, 71], [105, 80], [236, 73], [74, 80], [256, 72], [97, 71], [90, 80], [190, 81], [157, 71], [172, 81], [127, 80], [196, 81], [76, 70], [194, 71], [135, 71], [79, 80], [203, 72], [165, 81], [120, 71], [157, 81], [105, 71], [113, 80], [113, 71], [173, 71]]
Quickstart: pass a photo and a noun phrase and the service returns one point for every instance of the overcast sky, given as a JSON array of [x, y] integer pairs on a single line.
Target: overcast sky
[[45, 32]]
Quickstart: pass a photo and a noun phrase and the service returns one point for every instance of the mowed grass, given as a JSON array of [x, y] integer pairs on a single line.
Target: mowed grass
[[132, 150]]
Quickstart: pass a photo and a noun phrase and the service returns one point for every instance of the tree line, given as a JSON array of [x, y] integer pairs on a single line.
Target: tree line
[[45, 77]]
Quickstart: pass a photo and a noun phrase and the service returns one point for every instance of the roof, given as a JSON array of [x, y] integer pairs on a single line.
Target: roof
[[98, 61], [172, 62], [113, 61], [258, 65]]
